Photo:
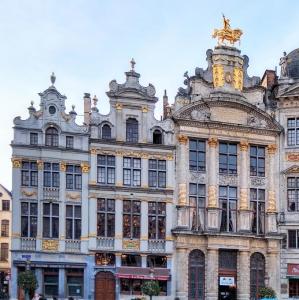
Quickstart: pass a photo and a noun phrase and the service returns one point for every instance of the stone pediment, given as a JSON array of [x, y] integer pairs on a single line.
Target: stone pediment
[[226, 112], [292, 91]]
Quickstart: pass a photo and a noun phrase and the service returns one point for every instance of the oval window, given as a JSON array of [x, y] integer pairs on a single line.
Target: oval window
[[52, 110]]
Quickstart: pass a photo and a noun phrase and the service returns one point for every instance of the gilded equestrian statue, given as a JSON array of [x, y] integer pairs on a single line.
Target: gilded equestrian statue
[[226, 33]]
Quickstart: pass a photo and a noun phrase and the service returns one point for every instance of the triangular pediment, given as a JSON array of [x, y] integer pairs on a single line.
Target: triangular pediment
[[292, 91], [227, 112]]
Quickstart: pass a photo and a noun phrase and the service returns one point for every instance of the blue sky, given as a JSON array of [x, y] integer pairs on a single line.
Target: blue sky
[[88, 43]]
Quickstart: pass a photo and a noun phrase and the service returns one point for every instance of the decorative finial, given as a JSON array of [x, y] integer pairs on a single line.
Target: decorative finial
[[165, 93], [95, 100], [226, 33], [73, 107], [32, 102], [133, 63], [53, 78]]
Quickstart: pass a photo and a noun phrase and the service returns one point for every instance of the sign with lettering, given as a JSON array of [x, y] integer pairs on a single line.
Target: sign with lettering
[[228, 281]]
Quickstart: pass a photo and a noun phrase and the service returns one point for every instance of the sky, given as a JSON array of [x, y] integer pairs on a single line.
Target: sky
[[88, 43]]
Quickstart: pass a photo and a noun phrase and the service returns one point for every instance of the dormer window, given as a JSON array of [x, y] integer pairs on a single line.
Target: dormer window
[[33, 138], [106, 132], [157, 137], [69, 142], [52, 137], [132, 130]]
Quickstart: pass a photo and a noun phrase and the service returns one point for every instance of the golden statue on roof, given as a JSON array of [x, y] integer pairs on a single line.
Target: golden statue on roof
[[226, 33]]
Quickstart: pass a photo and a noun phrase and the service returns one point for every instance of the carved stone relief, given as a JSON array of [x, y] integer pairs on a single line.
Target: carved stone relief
[[228, 180], [258, 181], [197, 177]]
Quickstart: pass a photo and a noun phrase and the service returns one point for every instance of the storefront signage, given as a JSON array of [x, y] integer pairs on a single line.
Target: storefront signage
[[293, 269], [227, 281], [131, 244]]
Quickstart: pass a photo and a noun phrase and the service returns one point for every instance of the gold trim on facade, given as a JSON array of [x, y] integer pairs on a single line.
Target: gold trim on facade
[[271, 202], [62, 166], [144, 109], [183, 139], [243, 199], [238, 78], [244, 146], [218, 75], [50, 245], [118, 106], [212, 199], [29, 193], [213, 142], [16, 162], [272, 148], [40, 165], [85, 167]]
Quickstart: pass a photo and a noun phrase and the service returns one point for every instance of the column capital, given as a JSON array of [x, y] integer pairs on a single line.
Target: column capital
[[244, 145], [85, 167], [93, 151], [16, 162], [62, 166], [183, 139], [272, 148], [40, 164], [118, 106], [213, 142]]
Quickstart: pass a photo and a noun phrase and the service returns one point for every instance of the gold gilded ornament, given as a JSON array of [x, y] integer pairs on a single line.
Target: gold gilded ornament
[[238, 78], [218, 75]]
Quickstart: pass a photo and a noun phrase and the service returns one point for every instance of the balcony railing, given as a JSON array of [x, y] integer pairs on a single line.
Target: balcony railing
[[72, 245], [105, 243], [156, 245], [51, 193], [28, 244]]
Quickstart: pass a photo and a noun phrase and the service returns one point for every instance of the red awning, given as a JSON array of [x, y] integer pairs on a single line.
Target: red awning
[[143, 273], [293, 269]]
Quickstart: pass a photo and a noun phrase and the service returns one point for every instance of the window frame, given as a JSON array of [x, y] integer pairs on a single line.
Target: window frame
[[51, 217], [195, 209], [29, 175], [51, 137], [227, 168], [4, 228], [132, 130], [106, 170], [107, 214], [105, 133], [51, 171], [292, 136], [158, 217], [130, 171], [29, 217], [33, 138], [4, 252], [198, 151], [5, 205], [157, 176], [69, 142], [134, 232], [73, 177], [259, 211], [293, 193], [74, 219], [260, 168]]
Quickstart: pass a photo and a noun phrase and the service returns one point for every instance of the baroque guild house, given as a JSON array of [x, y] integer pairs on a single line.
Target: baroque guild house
[[205, 201]]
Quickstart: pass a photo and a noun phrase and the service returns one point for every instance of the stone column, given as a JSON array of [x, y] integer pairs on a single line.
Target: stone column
[[243, 279], [144, 171], [182, 184], [61, 285], [271, 205], [16, 205], [212, 223], [118, 224], [244, 211], [92, 234], [118, 169], [93, 166], [119, 126], [144, 226], [144, 132], [168, 235], [170, 172], [84, 207], [62, 186], [181, 275], [273, 270], [40, 197], [39, 277], [212, 275]]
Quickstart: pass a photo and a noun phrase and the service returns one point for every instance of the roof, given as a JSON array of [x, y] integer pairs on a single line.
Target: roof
[[6, 190]]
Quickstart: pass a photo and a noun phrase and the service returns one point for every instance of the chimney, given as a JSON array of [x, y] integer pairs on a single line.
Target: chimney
[[165, 105], [87, 108], [269, 79]]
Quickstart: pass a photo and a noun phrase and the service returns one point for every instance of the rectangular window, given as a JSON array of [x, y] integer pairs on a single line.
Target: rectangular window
[[73, 177], [69, 142], [29, 173], [131, 260], [106, 169], [197, 155], [50, 282], [257, 205], [6, 205], [156, 220], [293, 288], [228, 208], [132, 171], [5, 228], [293, 237], [50, 220], [28, 219], [292, 193], [227, 158], [73, 222], [51, 175], [133, 286], [106, 217], [257, 161], [157, 173], [74, 281], [293, 131], [33, 138], [131, 219], [197, 200], [4, 251]]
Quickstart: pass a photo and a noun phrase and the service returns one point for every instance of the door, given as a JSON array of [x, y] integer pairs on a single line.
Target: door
[[104, 286]]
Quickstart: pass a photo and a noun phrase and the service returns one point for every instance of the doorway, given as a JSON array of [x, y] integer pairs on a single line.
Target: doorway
[[104, 286]]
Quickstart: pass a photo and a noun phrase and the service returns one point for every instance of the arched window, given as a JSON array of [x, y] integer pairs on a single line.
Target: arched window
[[52, 137], [196, 275], [157, 137], [106, 132], [257, 274], [132, 130], [4, 228]]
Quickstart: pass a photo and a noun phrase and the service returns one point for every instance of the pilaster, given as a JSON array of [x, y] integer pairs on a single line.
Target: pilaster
[[144, 172], [61, 286], [144, 226], [84, 209], [243, 282], [118, 224], [212, 275], [62, 215], [182, 270], [119, 122], [92, 234]]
